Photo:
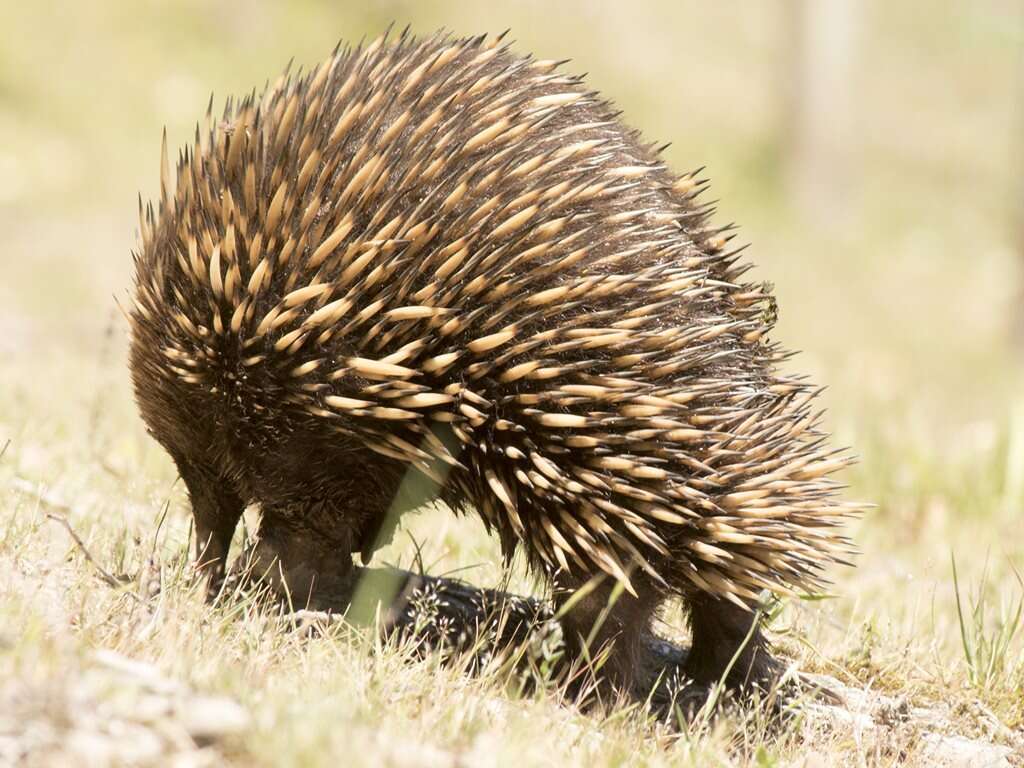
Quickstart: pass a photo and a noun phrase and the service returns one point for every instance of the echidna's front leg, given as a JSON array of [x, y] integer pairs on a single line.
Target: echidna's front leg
[[727, 643], [603, 619], [216, 509]]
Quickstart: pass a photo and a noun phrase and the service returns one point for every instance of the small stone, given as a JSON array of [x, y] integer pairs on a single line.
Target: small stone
[[958, 752], [91, 748], [138, 745], [143, 674], [813, 760], [210, 718]]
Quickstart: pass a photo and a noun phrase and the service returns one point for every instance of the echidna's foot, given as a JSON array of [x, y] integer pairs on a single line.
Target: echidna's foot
[[678, 700], [797, 688], [687, 702], [243, 578], [213, 580]]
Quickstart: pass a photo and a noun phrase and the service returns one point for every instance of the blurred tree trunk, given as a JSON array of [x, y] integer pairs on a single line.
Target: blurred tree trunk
[[1017, 319], [820, 109]]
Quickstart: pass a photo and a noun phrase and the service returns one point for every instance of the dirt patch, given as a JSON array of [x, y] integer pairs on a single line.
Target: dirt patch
[[114, 711]]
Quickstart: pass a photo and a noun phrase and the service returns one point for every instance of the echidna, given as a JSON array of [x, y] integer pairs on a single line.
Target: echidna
[[436, 255]]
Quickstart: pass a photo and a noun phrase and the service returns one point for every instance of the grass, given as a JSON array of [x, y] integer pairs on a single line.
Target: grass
[[988, 642], [902, 308]]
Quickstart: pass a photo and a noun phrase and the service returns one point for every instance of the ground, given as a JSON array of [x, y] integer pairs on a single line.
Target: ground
[[902, 299]]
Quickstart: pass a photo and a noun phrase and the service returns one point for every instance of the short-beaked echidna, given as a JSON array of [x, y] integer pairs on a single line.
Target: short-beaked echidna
[[434, 254]]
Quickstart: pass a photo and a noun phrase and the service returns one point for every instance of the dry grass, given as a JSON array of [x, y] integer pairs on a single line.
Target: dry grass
[[902, 308]]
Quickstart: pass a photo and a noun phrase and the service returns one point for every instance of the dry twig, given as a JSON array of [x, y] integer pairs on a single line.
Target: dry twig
[[104, 574]]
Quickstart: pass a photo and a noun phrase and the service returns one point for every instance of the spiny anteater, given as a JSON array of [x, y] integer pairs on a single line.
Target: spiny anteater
[[436, 254]]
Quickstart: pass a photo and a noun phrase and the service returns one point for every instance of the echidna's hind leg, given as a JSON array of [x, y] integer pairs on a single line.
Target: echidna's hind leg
[[729, 644], [603, 619], [216, 509]]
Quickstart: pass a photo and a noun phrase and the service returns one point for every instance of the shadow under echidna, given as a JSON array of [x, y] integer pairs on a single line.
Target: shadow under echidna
[[437, 256]]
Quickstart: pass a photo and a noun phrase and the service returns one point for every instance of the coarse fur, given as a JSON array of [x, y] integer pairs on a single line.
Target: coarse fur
[[436, 256]]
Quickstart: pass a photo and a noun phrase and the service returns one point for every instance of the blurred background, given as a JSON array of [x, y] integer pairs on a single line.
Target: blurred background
[[872, 152]]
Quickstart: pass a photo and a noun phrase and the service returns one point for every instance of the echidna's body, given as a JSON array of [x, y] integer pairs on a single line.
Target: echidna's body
[[435, 254]]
